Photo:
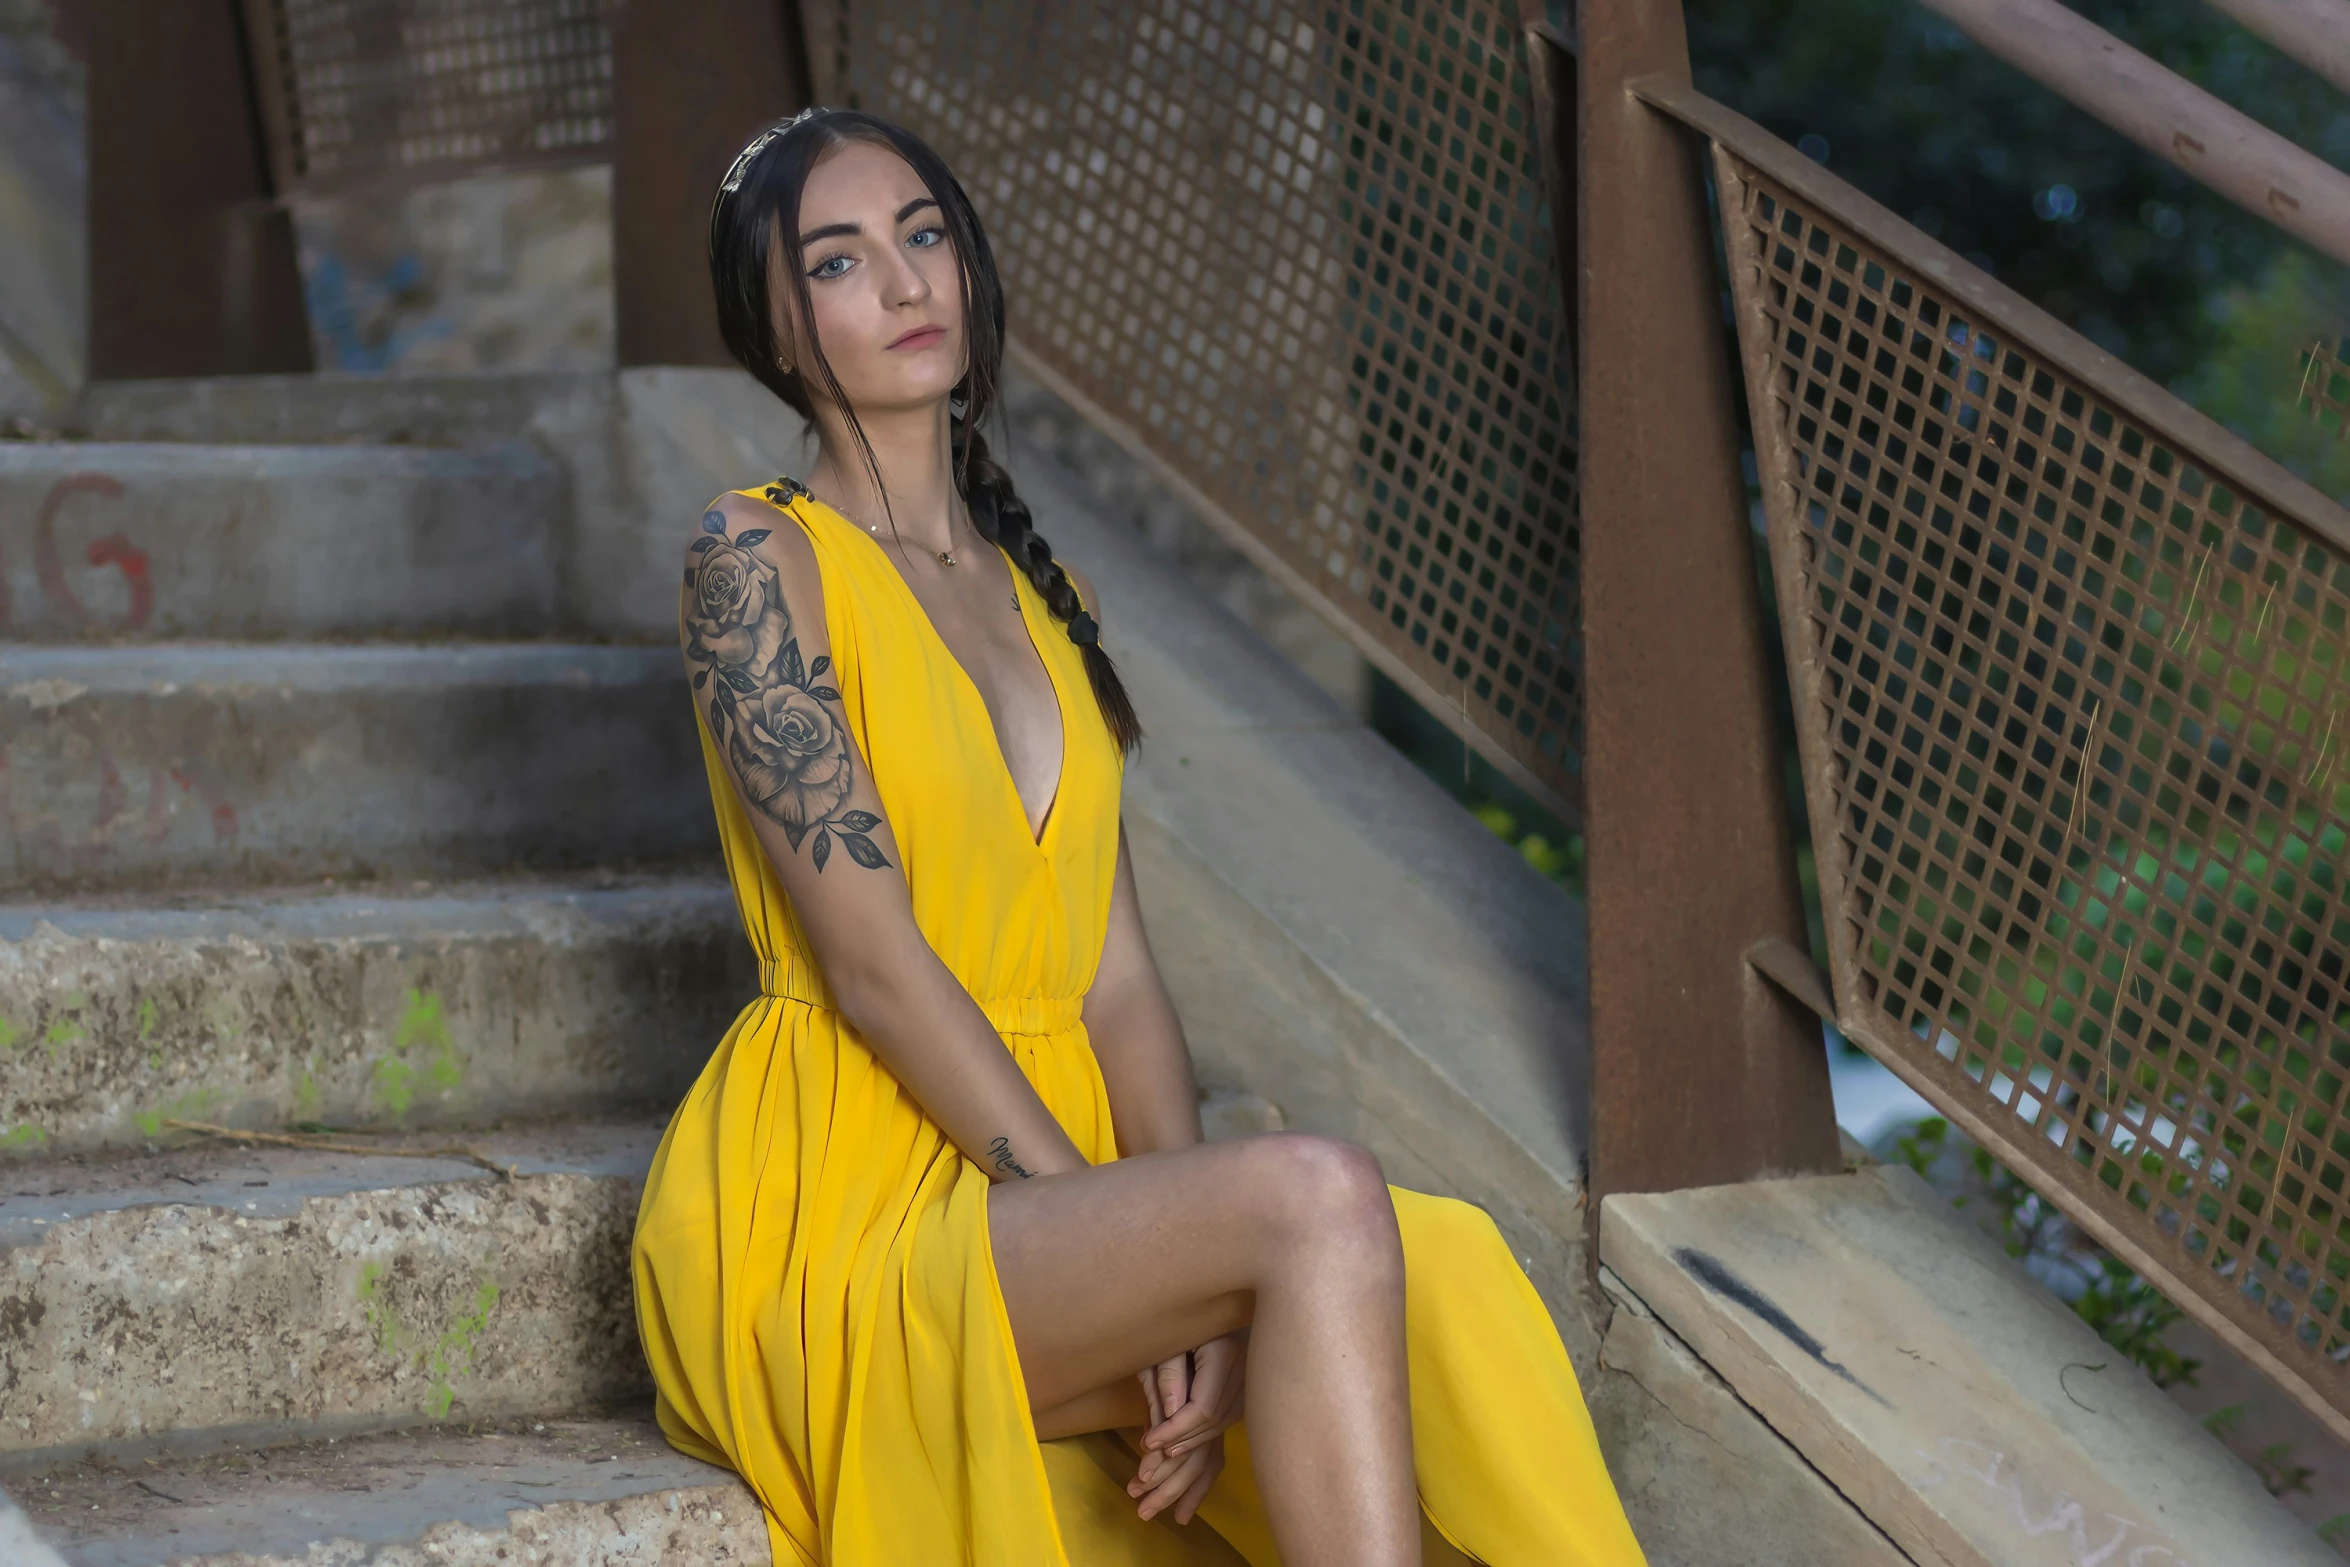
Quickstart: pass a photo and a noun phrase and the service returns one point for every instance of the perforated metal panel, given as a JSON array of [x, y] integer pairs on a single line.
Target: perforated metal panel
[[2076, 729], [358, 89], [1300, 254]]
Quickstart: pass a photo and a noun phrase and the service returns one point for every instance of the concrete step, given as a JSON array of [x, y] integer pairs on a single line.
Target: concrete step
[[173, 1300], [596, 1491], [1933, 1382], [212, 1291], [348, 407], [172, 764], [584, 1492], [141, 541], [641, 449], [449, 1005]]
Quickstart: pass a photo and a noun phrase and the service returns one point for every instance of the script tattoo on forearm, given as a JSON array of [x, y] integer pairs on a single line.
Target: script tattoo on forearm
[[1001, 1152], [775, 717]]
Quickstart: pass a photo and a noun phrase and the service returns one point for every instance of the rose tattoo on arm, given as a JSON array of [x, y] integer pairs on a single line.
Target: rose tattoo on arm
[[777, 720]]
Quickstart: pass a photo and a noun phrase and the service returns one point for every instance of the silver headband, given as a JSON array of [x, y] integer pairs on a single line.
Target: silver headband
[[758, 144]]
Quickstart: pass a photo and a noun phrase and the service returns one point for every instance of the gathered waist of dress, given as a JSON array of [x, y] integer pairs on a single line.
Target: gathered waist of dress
[[794, 980]]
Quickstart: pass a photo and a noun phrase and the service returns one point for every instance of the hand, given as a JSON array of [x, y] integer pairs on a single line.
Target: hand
[[1193, 1400]]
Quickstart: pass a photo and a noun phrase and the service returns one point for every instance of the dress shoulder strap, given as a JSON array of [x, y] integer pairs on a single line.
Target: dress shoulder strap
[[844, 590]]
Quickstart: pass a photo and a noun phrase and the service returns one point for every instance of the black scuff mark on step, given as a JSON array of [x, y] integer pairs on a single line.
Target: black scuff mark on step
[[1715, 1275]]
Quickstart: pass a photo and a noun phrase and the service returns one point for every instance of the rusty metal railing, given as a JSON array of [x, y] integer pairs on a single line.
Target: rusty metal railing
[[355, 90], [1300, 258], [2072, 679]]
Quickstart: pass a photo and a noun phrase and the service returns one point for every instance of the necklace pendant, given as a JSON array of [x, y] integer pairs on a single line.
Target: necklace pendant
[[947, 558]]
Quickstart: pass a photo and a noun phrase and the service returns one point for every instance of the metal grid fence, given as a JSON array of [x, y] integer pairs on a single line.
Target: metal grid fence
[[1300, 255], [357, 89], [2072, 703]]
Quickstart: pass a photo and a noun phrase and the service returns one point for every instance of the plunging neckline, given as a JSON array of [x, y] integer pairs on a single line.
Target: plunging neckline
[[1036, 838]]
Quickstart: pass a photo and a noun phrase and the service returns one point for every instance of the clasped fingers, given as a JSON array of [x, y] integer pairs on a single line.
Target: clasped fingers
[[1219, 1374]]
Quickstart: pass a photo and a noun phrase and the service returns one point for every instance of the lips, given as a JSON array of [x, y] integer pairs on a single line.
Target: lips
[[920, 337]]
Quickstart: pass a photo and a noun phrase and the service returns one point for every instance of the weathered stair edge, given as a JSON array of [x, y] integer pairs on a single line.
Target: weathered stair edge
[[593, 1491], [1963, 1407], [169, 1301], [642, 448], [171, 764], [148, 541], [454, 1005], [715, 1525], [1678, 1396], [1342, 939]]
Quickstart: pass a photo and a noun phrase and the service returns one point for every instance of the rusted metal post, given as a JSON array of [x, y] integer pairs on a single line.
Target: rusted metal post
[[690, 85], [1703, 1070], [192, 268], [2162, 112], [2315, 32], [1550, 61]]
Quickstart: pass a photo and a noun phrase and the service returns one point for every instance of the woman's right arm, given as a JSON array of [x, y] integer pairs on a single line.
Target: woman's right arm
[[751, 627]]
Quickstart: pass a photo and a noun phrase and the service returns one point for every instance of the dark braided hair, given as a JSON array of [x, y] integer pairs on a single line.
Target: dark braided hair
[[757, 208]]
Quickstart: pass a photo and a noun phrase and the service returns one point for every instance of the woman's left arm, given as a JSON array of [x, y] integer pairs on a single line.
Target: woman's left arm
[[1154, 1101], [1154, 1104]]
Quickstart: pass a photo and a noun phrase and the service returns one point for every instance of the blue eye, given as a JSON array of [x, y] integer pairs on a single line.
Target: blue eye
[[933, 235], [826, 269]]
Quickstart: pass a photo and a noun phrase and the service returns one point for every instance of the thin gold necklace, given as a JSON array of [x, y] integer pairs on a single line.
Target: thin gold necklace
[[946, 557]]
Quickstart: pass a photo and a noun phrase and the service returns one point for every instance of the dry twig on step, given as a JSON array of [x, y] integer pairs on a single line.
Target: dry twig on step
[[333, 1145]]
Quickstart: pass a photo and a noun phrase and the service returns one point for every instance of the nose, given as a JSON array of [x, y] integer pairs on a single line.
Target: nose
[[905, 283]]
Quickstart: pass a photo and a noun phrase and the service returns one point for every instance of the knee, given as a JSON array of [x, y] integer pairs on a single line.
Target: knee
[[1322, 1190]]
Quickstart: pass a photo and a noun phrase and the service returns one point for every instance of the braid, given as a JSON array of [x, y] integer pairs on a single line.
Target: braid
[[1003, 518]]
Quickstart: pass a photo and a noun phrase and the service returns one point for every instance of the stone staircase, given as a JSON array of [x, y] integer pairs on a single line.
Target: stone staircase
[[331, 799], [343, 785]]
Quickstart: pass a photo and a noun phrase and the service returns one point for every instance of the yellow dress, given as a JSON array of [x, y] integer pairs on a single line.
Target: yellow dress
[[814, 1284]]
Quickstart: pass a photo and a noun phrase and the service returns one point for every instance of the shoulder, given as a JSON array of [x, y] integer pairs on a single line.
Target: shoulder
[[751, 582], [742, 524], [746, 522]]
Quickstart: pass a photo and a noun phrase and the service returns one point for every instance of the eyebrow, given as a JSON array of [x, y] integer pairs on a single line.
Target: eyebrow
[[831, 229]]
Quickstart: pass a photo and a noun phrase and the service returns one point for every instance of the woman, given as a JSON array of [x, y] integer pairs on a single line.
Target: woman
[[939, 1203]]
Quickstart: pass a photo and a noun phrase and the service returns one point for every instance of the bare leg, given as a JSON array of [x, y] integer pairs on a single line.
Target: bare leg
[[1108, 1270]]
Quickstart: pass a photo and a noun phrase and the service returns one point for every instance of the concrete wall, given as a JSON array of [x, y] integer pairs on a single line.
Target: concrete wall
[[44, 173], [505, 271]]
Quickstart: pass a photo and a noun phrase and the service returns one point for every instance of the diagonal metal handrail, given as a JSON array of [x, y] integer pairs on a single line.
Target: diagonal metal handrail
[[2314, 32], [2147, 400], [1994, 744], [2161, 111]]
